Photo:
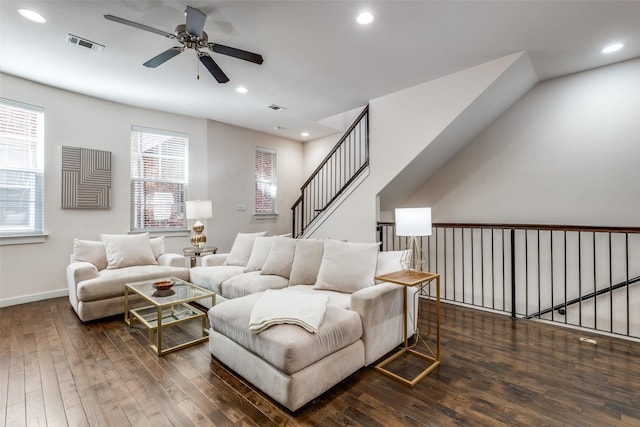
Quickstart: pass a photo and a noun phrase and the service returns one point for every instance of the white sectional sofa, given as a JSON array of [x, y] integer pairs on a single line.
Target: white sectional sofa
[[99, 269], [361, 321]]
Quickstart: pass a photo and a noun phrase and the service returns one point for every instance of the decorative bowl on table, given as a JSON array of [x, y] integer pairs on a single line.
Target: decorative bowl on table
[[163, 285], [163, 293]]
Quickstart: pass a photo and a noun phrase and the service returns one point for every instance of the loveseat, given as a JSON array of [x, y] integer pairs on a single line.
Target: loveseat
[[99, 269], [361, 321]]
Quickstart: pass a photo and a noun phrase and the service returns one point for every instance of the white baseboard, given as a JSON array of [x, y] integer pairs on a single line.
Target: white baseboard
[[33, 297]]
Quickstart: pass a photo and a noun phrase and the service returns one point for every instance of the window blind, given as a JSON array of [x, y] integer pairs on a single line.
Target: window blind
[[159, 179], [266, 188], [21, 168]]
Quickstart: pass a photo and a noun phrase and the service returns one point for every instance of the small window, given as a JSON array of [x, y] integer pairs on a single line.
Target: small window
[[21, 169], [159, 178], [265, 194]]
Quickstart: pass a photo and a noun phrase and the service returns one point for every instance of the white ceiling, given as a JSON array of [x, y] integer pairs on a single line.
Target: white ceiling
[[317, 61]]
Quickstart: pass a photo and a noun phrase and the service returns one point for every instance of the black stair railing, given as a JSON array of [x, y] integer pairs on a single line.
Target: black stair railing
[[574, 275], [348, 158]]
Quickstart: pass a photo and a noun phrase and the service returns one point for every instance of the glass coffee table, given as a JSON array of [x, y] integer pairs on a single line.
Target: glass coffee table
[[169, 307]]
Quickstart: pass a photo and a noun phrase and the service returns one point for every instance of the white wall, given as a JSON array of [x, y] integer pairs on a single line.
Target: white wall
[[30, 272], [231, 165], [567, 153], [316, 150]]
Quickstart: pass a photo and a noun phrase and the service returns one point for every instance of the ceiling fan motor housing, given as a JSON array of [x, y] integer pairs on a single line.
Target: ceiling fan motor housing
[[191, 41]]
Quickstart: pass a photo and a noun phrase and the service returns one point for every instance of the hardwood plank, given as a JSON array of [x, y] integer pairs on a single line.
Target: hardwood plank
[[495, 371]]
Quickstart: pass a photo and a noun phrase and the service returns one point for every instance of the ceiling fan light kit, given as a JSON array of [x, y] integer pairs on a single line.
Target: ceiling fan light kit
[[191, 36]]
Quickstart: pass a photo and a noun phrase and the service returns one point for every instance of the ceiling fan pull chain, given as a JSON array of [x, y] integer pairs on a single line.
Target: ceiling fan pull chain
[[197, 70]]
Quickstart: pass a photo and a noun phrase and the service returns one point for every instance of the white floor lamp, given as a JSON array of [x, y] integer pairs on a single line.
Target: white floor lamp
[[413, 222]]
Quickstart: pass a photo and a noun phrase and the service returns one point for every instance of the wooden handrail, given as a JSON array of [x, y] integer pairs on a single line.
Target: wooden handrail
[[548, 227], [336, 147]]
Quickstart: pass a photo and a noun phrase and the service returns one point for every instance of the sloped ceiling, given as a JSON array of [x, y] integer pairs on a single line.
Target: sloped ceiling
[[505, 91], [318, 61]]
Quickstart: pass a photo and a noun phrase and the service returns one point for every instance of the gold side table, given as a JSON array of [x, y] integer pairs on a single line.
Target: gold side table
[[406, 279], [194, 253]]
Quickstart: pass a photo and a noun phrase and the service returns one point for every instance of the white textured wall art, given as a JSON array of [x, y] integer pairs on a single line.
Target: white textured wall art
[[86, 178]]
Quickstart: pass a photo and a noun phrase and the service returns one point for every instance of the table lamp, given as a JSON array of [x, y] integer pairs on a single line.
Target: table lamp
[[413, 222], [198, 209]]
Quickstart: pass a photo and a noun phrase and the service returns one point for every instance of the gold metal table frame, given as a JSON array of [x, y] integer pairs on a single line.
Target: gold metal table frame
[[406, 279], [166, 311]]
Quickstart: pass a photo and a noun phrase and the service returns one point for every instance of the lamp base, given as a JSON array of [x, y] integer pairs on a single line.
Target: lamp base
[[413, 258], [198, 240]]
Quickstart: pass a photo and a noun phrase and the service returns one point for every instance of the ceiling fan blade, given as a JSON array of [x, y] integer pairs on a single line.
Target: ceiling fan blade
[[140, 26], [163, 57], [213, 68], [195, 21], [236, 53]]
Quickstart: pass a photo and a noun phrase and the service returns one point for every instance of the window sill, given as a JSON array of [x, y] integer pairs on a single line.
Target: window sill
[[23, 239], [260, 216], [168, 233]]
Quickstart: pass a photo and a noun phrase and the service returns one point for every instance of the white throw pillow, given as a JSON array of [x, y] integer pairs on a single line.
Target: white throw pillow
[[280, 257], [241, 249], [347, 267], [157, 246], [389, 262], [306, 262], [125, 250], [259, 253], [90, 251]]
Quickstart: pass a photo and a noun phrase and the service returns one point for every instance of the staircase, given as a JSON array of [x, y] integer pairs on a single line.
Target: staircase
[[342, 166]]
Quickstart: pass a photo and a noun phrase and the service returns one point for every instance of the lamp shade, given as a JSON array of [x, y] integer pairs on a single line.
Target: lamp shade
[[413, 222], [199, 209]]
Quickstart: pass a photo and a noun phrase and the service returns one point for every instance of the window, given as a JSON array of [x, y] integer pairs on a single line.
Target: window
[[159, 178], [265, 181], [21, 169]]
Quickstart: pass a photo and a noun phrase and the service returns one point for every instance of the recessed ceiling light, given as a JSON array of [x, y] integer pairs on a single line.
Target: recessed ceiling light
[[304, 134], [612, 48], [241, 89], [32, 16], [365, 18]]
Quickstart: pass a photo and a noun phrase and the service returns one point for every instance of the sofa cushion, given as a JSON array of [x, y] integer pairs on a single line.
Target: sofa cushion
[[126, 250], [306, 262], [280, 257], [259, 253], [110, 282], [92, 251], [289, 348], [241, 249], [347, 267], [250, 283], [389, 262], [212, 277], [157, 246]]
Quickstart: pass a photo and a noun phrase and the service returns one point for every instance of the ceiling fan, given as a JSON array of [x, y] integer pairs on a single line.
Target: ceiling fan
[[192, 36]]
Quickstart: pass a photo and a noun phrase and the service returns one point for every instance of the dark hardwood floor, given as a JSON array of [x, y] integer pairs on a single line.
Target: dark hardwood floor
[[56, 371]]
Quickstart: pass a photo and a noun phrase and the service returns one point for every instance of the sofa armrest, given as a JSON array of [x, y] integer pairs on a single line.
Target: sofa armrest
[[172, 260], [215, 259], [381, 310], [79, 272]]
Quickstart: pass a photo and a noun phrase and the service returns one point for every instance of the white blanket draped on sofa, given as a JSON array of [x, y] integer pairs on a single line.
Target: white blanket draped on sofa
[[288, 306]]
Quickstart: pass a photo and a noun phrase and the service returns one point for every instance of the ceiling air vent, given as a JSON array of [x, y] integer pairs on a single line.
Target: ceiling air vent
[[84, 43], [275, 107]]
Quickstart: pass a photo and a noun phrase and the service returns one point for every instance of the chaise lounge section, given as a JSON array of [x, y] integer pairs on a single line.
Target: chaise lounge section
[[362, 321]]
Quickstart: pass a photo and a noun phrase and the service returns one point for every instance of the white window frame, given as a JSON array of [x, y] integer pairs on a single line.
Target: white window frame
[[266, 185], [171, 210], [25, 174]]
